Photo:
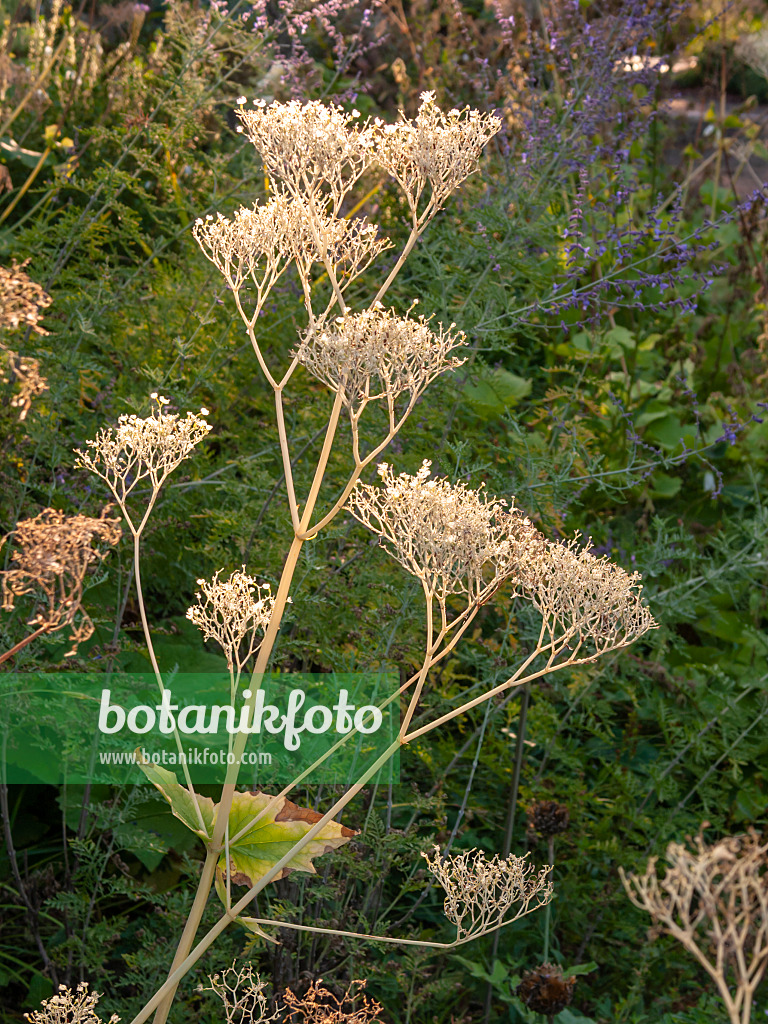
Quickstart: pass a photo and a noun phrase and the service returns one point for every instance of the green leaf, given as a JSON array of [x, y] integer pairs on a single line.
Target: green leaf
[[181, 800], [269, 839], [496, 392], [579, 969]]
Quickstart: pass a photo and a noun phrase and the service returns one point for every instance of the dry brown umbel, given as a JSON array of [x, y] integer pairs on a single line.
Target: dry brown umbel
[[714, 900], [26, 372], [53, 554], [321, 1006], [480, 893], [69, 1007], [21, 299]]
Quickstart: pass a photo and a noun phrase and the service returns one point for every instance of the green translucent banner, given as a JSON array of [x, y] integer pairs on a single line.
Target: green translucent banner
[[92, 727]]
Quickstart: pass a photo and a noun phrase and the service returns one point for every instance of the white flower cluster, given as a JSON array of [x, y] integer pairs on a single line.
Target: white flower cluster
[[68, 1007], [376, 354], [436, 148], [139, 448], [480, 893], [453, 538], [310, 150], [260, 243], [232, 611]]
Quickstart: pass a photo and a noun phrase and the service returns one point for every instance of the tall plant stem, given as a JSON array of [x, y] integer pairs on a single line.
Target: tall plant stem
[[547, 909], [262, 661], [506, 849]]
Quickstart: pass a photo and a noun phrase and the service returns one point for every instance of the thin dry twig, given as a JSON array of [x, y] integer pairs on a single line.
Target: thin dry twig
[[321, 1006]]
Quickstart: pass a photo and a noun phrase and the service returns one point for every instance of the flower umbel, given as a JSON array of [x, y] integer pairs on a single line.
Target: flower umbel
[[586, 600], [233, 612], [142, 448], [714, 900], [454, 539], [242, 993], [311, 150], [320, 1006], [376, 354], [68, 1007], [436, 148], [52, 556], [21, 299], [480, 893]]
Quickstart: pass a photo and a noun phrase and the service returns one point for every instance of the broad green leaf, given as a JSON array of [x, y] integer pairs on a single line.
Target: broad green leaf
[[272, 836], [574, 972], [181, 800], [495, 392]]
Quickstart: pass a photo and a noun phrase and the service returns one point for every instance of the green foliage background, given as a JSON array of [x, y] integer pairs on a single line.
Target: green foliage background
[[642, 746]]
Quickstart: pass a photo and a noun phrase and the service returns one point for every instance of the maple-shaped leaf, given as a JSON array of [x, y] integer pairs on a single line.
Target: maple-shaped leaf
[[181, 800], [270, 838]]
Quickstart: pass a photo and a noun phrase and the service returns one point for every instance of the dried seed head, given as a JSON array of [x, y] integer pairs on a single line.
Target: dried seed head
[[453, 538], [258, 237], [376, 354], [68, 1007], [310, 150], [232, 612], [321, 1006], [51, 558], [548, 818], [483, 894], [545, 990], [21, 300], [712, 899], [26, 371], [442, 149], [242, 993], [138, 449], [585, 599]]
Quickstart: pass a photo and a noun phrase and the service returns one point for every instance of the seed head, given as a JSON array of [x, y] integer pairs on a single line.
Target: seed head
[[241, 991], [376, 354], [232, 611], [453, 538], [310, 150], [545, 990], [21, 300], [321, 1006], [442, 149], [481, 893], [52, 555], [548, 818], [68, 1007], [585, 599], [26, 371], [138, 449]]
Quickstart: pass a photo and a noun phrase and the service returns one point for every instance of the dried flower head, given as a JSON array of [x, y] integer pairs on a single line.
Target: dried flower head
[[585, 599], [312, 150], [253, 239], [233, 612], [454, 539], [545, 990], [68, 1007], [321, 1006], [714, 900], [376, 354], [242, 993], [436, 148], [548, 818], [51, 558], [138, 449], [480, 893], [21, 300], [26, 371]]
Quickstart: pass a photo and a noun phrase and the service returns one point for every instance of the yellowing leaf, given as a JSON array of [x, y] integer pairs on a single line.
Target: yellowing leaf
[[181, 800], [272, 836]]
